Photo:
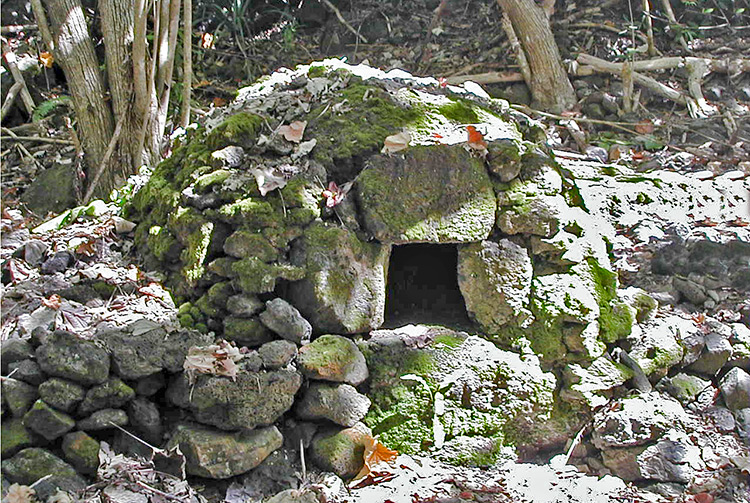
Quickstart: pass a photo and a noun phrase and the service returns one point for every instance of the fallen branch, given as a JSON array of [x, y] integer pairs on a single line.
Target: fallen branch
[[341, 19], [617, 125], [486, 78], [606, 27], [9, 99], [601, 65], [726, 65], [24, 151], [15, 28], [39, 139], [10, 58]]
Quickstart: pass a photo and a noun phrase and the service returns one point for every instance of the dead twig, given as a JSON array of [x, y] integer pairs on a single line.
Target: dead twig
[[39, 139], [343, 21], [24, 151], [617, 125], [105, 160]]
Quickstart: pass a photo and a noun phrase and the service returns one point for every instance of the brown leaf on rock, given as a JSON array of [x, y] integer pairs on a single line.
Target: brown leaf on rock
[[645, 127], [20, 494], [217, 359], [294, 131]]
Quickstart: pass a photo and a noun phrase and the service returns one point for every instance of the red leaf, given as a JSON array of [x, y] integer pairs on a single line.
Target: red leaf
[[476, 139], [645, 127]]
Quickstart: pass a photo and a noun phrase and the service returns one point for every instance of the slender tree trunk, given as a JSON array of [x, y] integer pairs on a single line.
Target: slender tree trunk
[[549, 83], [117, 27], [187, 62], [74, 52]]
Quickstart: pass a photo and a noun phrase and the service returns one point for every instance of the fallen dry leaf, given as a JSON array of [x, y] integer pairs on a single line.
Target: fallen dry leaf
[[268, 179], [53, 302], [217, 359], [20, 494], [476, 139], [294, 131], [396, 142], [375, 453], [87, 248], [645, 127], [46, 59]]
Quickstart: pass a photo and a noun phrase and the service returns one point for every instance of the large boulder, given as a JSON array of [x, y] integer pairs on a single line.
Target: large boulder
[[65, 355], [403, 197], [424, 381], [340, 403], [495, 281], [253, 399], [144, 348], [220, 455], [344, 287]]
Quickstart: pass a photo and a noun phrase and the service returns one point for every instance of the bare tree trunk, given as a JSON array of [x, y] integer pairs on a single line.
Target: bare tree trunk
[[549, 83], [117, 28], [74, 52], [187, 62]]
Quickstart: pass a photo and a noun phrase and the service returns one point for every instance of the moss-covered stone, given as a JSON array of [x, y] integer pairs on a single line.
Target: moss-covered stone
[[404, 198], [250, 243], [112, 394], [343, 290], [47, 421], [32, 464], [333, 358], [162, 244], [81, 451], [240, 129], [341, 451], [372, 114], [250, 212], [18, 395], [255, 276], [489, 395], [248, 332], [204, 182], [14, 436], [62, 394]]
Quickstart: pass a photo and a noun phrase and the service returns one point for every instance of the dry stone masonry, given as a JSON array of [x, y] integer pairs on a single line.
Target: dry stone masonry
[[282, 245]]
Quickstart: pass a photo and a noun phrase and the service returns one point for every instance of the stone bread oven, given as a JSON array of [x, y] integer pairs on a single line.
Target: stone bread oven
[[490, 239]]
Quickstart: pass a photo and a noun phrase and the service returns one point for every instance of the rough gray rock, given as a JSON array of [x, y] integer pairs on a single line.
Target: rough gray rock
[[683, 387], [341, 451], [27, 371], [30, 465], [286, 321], [333, 358], [220, 455], [144, 348], [735, 387], [539, 216], [495, 281], [14, 350], [403, 198], [65, 355], [228, 157], [344, 288], [47, 421], [243, 305], [636, 421], [340, 403], [112, 394], [145, 418], [103, 419], [690, 290], [715, 354], [150, 385], [743, 424], [61, 393], [18, 395], [81, 451], [295, 496], [253, 399], [277, 354]]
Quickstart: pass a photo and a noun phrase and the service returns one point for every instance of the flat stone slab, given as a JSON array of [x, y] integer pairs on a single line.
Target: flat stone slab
[[427, 194]]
